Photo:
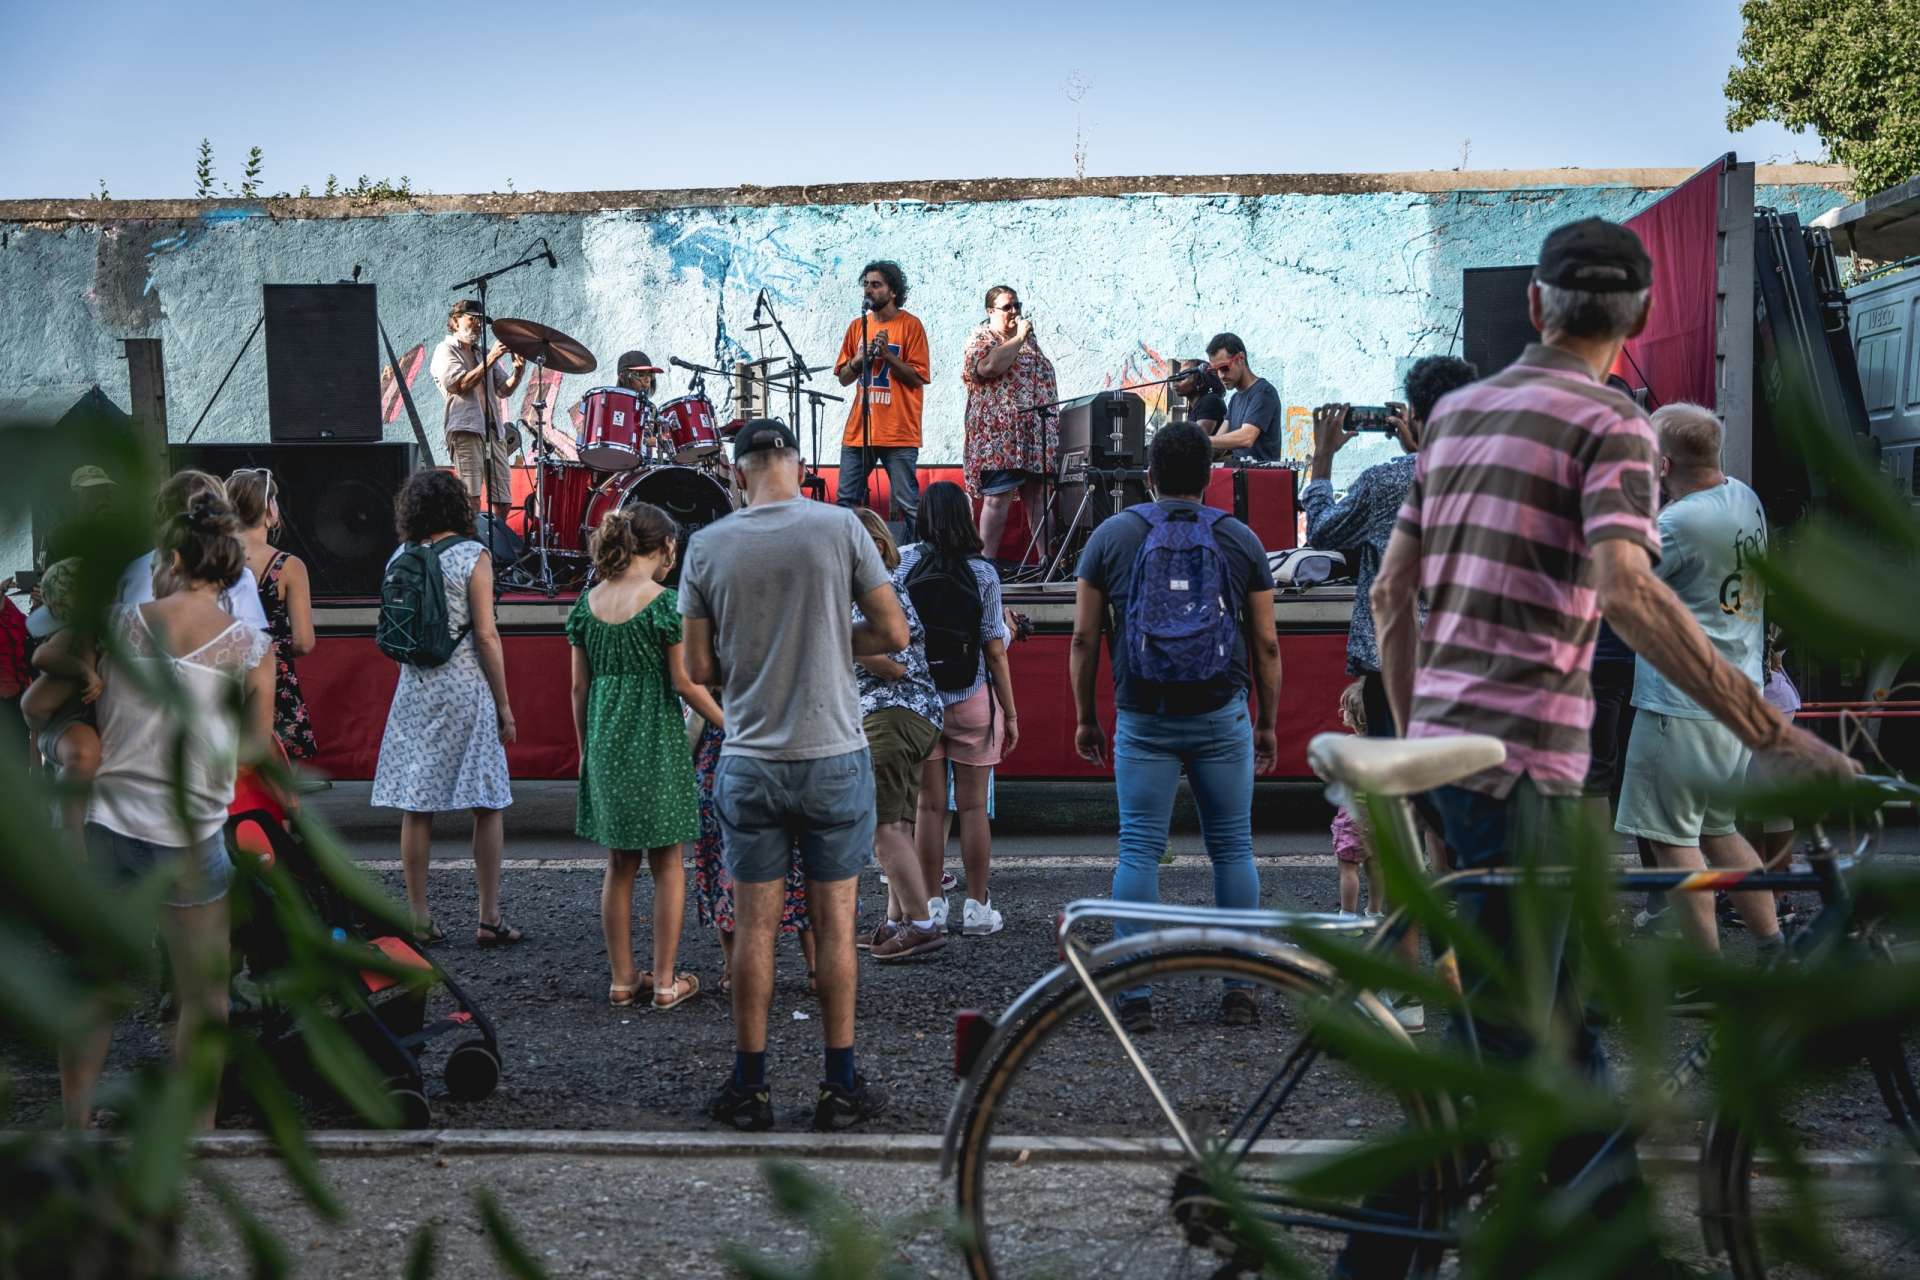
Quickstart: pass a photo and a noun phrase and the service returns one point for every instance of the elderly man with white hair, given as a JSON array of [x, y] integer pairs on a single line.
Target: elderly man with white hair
[[1681, 762]]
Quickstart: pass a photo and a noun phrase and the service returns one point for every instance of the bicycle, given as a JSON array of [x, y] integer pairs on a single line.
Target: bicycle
[[1212, 1099]]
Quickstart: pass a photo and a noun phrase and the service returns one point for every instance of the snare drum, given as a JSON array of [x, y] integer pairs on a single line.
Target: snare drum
[[612, 423], [569, 487], [693, 498], [690, 427]]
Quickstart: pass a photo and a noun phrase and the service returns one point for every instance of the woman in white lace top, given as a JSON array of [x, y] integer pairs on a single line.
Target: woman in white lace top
[[184, 696]]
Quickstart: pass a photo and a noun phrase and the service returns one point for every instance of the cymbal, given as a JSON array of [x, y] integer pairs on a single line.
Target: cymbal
[[544, 345]]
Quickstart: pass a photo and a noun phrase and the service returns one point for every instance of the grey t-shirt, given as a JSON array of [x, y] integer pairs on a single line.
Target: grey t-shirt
[[778, 583], [1708, 543], [1258, 405]]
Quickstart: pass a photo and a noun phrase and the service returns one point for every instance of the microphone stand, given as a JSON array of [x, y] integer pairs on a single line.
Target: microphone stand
[[866, 405], [480, 282]]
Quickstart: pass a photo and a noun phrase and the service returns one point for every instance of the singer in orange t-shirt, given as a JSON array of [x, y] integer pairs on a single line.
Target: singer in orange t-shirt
[[892, 374]]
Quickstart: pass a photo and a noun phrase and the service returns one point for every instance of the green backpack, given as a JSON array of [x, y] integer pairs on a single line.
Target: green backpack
[[413, 627]]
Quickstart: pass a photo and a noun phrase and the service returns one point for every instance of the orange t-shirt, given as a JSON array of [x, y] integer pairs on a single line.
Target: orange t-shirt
[[895, 407]]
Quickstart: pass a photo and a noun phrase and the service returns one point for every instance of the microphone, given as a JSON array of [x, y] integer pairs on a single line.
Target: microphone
[[551, 260], [866, 303], [678, 363]]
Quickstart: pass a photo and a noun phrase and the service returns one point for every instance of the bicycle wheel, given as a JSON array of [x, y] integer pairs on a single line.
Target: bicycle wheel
[[1068, 1167], [1856, 1213]]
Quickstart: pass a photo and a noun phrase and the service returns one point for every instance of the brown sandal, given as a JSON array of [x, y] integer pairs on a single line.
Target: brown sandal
[[500, 934], [685, 987]]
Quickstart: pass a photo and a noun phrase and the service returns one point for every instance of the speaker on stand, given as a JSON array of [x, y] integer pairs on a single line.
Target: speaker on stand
[[336, 503]]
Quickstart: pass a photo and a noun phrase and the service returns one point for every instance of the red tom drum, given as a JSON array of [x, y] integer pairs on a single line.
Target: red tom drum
[[691, 427], [612, 422]]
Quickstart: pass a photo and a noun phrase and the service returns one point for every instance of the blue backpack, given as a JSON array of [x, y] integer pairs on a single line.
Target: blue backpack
[[1180, 626]]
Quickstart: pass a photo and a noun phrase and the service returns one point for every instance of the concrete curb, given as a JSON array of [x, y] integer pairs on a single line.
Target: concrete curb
[[908, 1148]]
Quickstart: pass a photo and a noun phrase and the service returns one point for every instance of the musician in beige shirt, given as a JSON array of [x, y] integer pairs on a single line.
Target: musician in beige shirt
[[457, 370]]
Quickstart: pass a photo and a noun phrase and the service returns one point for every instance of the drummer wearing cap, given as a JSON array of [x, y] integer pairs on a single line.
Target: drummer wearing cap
[[480, 463], [636, 372]]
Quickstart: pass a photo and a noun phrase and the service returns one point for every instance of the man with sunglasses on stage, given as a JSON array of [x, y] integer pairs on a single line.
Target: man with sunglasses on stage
[[1252, 430]]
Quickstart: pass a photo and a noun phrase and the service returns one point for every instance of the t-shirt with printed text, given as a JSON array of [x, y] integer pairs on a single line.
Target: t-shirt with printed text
[[895, 407]]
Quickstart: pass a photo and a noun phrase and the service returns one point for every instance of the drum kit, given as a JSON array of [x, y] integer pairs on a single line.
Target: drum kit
[[630, 450]]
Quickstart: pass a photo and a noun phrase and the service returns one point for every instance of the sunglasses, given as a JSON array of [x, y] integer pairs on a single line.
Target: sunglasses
[[1014, 307]]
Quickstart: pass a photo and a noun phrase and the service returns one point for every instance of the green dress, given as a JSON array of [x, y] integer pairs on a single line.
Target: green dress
[[637, 786]]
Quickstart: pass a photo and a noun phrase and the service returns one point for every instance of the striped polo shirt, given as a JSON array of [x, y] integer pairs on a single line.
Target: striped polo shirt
[[1518, 477]]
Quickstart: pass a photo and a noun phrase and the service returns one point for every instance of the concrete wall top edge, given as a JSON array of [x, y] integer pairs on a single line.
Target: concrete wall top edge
[[928, 192]]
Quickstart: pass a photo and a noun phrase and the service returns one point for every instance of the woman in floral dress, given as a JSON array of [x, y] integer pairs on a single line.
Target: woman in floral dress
[[1009, 449], [713, 884], [285, 597]]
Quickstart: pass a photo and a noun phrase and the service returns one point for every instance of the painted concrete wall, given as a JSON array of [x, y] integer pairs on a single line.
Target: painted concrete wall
[[1334, 293]]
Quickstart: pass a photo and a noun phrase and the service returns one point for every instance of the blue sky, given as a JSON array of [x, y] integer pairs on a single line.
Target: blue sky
[[592, 95]]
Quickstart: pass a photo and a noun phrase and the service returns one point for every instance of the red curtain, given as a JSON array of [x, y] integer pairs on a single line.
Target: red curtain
[[1674, 357]]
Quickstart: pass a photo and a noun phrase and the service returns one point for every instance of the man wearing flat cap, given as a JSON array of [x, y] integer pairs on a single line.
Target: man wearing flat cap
[[480, 462], [1530, 516]]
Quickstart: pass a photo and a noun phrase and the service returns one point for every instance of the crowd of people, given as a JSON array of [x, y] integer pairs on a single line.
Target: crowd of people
[[814, 698]]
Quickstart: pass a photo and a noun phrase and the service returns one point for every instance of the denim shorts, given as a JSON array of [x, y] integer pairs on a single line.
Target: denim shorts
[[765, 806], [200, 873], [997, 480]]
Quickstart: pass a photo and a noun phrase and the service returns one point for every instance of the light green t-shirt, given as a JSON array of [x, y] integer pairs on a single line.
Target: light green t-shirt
[[1708, 543]]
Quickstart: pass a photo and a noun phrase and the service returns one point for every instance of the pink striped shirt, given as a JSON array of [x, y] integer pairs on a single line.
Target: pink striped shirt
[[1518, 477]]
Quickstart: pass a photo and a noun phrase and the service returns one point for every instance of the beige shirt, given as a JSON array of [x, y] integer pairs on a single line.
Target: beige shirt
[[465, 412]]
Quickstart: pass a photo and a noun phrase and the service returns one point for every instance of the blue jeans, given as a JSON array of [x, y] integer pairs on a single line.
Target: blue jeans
[[1216, 749], [902, 478]]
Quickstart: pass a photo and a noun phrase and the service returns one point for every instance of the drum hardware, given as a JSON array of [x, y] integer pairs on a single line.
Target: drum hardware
[[544, 345], [753, 396], [689, 427]]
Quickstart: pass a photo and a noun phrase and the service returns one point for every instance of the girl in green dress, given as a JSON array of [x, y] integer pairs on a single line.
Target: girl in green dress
[[637, 792]]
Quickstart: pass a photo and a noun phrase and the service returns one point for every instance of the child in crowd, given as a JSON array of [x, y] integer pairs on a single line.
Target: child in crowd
[[58, 705], [1350, 846], [637, 788]]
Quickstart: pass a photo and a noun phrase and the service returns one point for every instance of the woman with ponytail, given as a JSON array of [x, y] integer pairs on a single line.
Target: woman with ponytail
[[185, 696]]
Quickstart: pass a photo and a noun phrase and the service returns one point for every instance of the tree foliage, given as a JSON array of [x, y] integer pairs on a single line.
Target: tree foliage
[[1847, 69]]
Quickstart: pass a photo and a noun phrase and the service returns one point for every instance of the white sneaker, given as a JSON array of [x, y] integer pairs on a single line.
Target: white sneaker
[[978, 919], [1411, 1015], [937, 908]]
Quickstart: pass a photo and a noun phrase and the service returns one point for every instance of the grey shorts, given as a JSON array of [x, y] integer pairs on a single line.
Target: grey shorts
[[998, 480], [199, 873], [48, 739], [765, 806], [1677, 780]]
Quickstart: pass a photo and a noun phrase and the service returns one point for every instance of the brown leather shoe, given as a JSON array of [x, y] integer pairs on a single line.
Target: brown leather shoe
[[881, 932], [907, 942]]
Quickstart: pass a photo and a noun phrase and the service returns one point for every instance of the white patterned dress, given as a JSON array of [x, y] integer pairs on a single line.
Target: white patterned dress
[[441, 750]]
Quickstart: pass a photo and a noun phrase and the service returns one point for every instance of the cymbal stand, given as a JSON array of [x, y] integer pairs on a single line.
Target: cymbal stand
[[542, 578]]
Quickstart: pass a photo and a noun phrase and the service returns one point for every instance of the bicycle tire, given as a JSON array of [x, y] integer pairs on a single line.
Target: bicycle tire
[[1872, 1246], [1295, 977]]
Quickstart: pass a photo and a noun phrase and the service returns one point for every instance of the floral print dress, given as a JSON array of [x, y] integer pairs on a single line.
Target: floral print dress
[[291, 722], [712, 882], [1001, 433]]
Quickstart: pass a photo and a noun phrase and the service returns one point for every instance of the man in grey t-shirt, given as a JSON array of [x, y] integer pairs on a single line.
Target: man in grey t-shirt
[[1681, 762], [768, 596]]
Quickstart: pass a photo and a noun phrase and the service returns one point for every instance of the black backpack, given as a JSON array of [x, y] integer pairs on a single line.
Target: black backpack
[[946, 595], [414, 628]]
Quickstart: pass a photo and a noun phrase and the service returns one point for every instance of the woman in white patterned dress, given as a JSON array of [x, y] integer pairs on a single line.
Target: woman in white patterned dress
[[445, 743]]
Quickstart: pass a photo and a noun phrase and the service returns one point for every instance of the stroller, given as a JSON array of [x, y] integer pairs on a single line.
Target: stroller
[[386, 1017]]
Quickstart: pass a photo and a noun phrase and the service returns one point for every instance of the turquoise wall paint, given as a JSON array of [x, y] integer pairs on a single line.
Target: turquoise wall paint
[[1333, 294]]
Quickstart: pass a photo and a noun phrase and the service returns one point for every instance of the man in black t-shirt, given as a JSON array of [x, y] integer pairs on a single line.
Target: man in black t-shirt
[[1206, 398], [1252, 432], [1201, 726]]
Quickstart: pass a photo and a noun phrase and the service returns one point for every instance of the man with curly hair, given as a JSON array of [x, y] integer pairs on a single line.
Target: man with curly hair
[[883, 426]]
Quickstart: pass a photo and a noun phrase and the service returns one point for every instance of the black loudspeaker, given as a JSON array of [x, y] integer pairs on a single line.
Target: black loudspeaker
[[336, 504], [323, 362], [1108, 430], [1495, 328]]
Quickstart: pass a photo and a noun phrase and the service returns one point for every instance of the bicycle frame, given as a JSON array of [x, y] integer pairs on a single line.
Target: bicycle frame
[[1248, 931]]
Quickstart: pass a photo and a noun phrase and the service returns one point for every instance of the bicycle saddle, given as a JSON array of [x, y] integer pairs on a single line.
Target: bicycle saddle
[[1401, 766]]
